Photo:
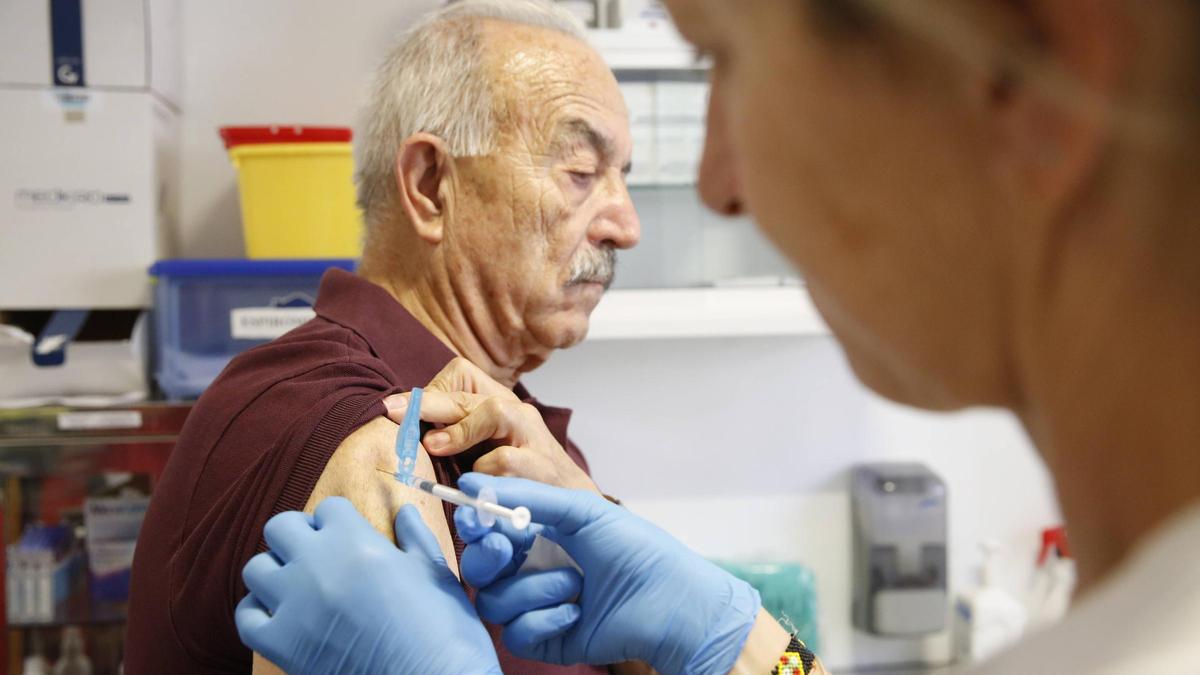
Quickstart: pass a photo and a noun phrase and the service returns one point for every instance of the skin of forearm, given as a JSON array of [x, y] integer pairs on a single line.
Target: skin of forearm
[[764, 646]]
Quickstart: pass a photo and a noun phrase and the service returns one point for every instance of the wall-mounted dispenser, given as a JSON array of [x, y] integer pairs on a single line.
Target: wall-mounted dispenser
[[900, 561]]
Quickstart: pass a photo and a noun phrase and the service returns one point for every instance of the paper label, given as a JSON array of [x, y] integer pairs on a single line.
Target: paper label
[[266, 323], [100, 419]]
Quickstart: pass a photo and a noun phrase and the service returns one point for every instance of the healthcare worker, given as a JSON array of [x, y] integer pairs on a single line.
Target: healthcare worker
[[993, 203]]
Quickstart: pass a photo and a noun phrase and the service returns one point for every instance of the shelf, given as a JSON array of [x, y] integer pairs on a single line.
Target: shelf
[[645, 49], [705, 313], [54, 439], [79, 611]]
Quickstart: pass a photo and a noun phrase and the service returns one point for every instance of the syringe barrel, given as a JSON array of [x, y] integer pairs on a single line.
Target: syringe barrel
[[519, 517]]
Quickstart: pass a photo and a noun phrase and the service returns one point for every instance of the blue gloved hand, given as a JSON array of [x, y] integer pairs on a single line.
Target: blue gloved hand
[[335, 596], [644, 596], [493, 551]]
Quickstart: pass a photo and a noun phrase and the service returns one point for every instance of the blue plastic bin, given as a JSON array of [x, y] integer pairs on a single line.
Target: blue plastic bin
[[208, 311]]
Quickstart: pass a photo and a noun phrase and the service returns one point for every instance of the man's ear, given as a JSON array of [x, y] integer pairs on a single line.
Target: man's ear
[[1051, 100], [423, 167]]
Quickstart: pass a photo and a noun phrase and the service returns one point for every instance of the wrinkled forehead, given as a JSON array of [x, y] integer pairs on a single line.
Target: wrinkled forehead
[[544, 82]]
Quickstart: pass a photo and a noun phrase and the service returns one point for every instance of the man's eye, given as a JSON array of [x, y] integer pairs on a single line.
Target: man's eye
[[582, 178]]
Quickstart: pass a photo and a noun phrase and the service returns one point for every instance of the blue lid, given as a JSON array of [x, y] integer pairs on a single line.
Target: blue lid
[[235, 267]]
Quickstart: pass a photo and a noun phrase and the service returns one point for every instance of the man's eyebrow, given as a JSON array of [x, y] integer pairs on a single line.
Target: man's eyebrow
[[579, 129]]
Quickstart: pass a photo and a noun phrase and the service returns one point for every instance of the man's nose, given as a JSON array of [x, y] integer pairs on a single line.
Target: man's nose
[[619, 224], [719, 184]]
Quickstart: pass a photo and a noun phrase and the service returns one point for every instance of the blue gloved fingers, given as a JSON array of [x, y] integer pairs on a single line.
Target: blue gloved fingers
[[256, 629], [339, 511], [467, 525], [526, 636], [484, 561], [412, 534], [564, 510], [508, 598], [251, 618], [263, 579], [470, 530], [288, 533], [354, 602]]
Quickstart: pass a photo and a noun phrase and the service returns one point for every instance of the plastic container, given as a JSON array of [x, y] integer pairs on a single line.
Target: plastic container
[[296, 186], [1053, 581], [788, 590], [987, 619], [208, 311]]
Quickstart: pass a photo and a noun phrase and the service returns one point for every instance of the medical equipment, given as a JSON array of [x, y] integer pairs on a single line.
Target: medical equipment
[[485, 504], [407, 440], [899, 549]]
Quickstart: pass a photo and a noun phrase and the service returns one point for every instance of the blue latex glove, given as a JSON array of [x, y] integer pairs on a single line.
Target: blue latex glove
[[644, 597], [335, 596], [493, 551]]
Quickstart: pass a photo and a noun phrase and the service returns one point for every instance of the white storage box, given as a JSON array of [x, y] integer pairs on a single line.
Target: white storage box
[[88, 95], [93, 373], [86, 209], [130, 44]]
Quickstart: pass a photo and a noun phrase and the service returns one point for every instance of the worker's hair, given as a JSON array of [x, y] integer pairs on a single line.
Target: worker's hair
[[433, 81]]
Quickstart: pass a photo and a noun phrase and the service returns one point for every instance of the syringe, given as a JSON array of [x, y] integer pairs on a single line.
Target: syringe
[[485, 505]]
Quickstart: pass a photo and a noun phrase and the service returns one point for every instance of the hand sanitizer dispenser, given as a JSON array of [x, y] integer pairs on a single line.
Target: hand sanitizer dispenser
[[899, 549]]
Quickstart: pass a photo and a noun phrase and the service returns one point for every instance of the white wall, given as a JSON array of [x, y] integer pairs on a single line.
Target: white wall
[[265, 62], [740, 447]]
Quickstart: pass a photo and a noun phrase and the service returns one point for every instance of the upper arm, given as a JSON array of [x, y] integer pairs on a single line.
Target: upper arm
[[354, 472]]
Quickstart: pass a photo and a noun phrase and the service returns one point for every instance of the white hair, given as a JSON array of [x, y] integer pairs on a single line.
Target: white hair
[[433, 81]]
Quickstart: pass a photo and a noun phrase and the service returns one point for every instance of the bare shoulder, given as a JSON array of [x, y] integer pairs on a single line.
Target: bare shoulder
[[360, 470], [354, 472]]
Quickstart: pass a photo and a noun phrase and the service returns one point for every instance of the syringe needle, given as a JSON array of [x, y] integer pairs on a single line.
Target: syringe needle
[[486, 505]]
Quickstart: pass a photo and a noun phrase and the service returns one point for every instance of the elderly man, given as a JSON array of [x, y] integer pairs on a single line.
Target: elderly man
[[492, 183]]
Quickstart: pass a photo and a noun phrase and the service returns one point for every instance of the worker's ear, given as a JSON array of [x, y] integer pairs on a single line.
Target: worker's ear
[[1049, 95], [423, 168]]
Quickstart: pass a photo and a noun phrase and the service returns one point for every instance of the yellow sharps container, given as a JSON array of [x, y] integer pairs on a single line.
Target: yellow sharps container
[[296, 186]]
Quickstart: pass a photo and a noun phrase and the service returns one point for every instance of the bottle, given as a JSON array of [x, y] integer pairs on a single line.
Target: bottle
[[73, 660], [35, 664], [1053, 580], [986, 619]]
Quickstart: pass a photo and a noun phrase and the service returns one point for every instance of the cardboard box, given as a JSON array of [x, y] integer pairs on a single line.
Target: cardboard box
[[109, 518], [110, 567]]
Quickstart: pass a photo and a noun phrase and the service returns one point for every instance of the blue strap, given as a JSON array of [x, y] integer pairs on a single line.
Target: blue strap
[[50, 349], [66, 43], [409, 437]]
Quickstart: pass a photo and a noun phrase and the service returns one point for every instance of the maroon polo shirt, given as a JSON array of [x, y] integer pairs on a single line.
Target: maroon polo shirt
[[255, 445]]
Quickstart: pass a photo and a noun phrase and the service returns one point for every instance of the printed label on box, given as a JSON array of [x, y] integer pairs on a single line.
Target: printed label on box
[[266, 323], [109, 518], [100, 419]]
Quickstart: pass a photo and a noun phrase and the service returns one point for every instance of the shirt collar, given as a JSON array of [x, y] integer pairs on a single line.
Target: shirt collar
[[399, 339], [391, 332]]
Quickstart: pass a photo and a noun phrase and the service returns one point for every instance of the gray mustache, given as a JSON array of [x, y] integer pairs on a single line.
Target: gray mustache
[[594, 265]]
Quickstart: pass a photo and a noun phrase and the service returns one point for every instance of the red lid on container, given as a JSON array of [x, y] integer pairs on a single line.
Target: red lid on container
[[278, 133], [1054, 539]]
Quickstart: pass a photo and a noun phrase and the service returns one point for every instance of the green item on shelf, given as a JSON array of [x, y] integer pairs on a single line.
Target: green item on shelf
[[789, 593]]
